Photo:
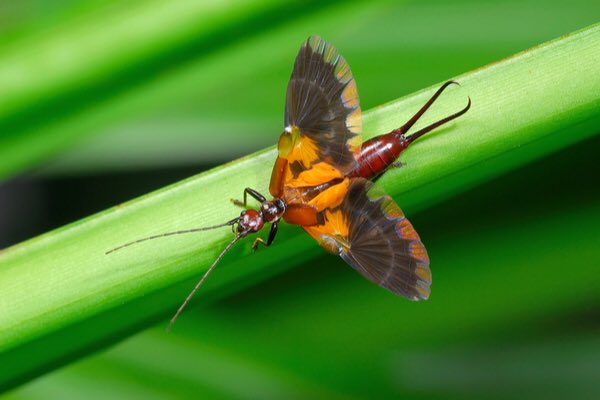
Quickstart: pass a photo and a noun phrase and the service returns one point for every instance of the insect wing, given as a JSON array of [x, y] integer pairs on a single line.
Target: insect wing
[[370, 232], [323, 120]]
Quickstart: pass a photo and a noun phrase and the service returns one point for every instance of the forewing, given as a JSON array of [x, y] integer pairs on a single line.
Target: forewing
[[370, 232], [322, 111]]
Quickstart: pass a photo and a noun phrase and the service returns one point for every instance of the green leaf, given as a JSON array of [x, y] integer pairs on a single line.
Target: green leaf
[[62, 286], [499, 285], [221, 98], [55, 79]]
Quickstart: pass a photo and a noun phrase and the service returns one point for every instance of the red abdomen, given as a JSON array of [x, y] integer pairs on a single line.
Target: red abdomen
[[378, 153]]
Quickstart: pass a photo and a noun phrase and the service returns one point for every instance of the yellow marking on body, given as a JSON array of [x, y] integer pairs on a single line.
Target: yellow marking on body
[[417, 250], [350, 95], [336, 223], [423, 272], [354, 123], [406, 230], [342, 72], [355, 144], [391, 209], [328, 54], [304, 149], [333, 234], [285, 144], [331, 197], [320, 173]]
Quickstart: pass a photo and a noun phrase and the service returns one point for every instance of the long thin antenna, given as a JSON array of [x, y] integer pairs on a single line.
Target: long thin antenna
[[201, 281], [193, 230]]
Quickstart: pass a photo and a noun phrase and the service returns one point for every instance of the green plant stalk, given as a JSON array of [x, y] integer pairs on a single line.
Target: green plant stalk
[[61, 293], [173, 113], [470, 306], [40, 69], [63, 74]]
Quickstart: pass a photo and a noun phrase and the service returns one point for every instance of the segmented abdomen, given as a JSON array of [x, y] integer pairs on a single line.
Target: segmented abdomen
[[377, 154]]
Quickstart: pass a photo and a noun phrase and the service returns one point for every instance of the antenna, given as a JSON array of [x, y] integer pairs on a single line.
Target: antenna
[[193, 230], [201, 281]]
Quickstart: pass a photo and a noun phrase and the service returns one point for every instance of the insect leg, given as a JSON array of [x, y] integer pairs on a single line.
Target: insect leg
[[252, 193], [269, 241]]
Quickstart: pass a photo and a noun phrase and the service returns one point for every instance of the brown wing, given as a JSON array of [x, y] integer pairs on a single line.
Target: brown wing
[[370, 232], [322, 112]]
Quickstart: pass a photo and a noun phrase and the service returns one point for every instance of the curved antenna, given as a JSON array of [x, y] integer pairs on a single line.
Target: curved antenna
[[201, 281], [193, 230]]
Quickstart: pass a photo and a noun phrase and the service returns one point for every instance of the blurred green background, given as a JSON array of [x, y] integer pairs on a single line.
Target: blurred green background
[[101, 102]]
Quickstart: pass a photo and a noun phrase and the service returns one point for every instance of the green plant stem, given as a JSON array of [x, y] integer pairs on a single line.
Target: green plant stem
[[172, 113], [61, 285], [57, 76]]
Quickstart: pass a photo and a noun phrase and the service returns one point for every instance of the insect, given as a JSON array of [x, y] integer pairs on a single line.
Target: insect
[[322, 180]]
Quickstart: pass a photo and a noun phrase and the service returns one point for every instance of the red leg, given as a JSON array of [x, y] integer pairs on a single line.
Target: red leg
[[301, 214]]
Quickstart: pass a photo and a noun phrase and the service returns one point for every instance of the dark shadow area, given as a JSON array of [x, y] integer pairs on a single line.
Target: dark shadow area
[[31, 206]]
